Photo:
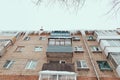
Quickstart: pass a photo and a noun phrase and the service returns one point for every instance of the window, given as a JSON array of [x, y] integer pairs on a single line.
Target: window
[[114, 42], [42, 38], [19, 48], [57, 41], [31, 64], [106, 32], [91, 38], [67, 42], [27, 38], [114, 58], [62, 61], [103, 65], [82, 64], [8, 64], [95, 49], [76, 38], [78, 49], [51, 41], [60, 42], [38, 48]]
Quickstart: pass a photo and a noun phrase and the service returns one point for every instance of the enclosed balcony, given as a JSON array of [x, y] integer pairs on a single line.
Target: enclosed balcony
[[110, 46], [115, 58], [56, 71], [57, 75], [106, 34], [57, 53], [103, 66]]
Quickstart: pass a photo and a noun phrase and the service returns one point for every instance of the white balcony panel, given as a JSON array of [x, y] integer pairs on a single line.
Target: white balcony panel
[[111, 49], [108, 37], [103, 44], [118, 70]]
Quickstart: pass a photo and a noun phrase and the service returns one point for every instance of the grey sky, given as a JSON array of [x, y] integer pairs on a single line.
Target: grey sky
[[24, 15]]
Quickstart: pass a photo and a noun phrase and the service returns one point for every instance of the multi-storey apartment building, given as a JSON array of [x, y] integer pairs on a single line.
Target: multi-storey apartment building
[[60, 55]]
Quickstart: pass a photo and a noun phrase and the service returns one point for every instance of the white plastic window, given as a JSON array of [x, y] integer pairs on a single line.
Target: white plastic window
[[82, 64], [8, 64], [38, 48], [31, 64]]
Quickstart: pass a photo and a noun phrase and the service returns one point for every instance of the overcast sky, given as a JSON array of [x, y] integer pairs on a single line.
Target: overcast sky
[[25, 15]]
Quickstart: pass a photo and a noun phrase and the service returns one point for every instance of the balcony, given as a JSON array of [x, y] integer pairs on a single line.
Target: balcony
[[60, 34], [111, 50], [59, 49], [118, 70], [57, 71], [57, 75], [59, 52], [106, 34], [115, 59], [104, 66]]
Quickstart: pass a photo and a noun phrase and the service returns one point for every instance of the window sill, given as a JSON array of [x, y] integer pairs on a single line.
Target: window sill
[[82, 68], [91, 40], [97, 51], [78, 51], [106, 69]]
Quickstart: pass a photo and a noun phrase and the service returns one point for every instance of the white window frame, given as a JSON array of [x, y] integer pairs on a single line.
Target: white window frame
[[30, 64], [93, 48], [19, 48], [52, 42], [67, 42], [27, 38], [38, 48], [42, 38], [9, 64], [78, 49], [82, 63]]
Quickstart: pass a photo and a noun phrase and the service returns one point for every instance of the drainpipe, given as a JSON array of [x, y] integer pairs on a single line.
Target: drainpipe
[[86, 45]]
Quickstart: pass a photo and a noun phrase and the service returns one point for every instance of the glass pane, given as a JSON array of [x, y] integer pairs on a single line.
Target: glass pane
[[31, 64], [57, 42], [27, 65], [79, 48], [84, 64], [52, 42], [38, 48], [103, 65], [78, 64], [62, 42], [20, 48], [26, 38], [8, 64], [42, 38], [67, 42]]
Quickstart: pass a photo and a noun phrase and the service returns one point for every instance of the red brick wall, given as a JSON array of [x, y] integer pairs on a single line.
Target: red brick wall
[[94, 78], [108, 78], [19, 77], [35, 77], [86, 78]]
